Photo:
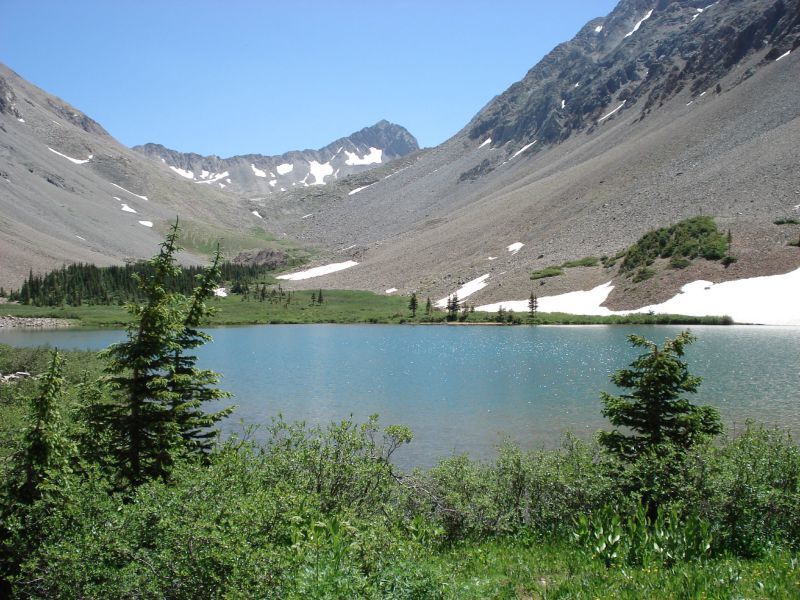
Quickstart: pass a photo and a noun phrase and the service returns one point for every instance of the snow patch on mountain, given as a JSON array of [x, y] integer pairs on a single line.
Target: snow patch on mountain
[[639, 24], [515, 247], [486, 142], [358, 189], [603, 118], [284, 168], [77, 161], [258, 172], [146, 223], [521, 150], [466, 290], [130, 192], [318, 271], [183, 172], [374, 156], [319, 171], [126, 208], [215, 177]]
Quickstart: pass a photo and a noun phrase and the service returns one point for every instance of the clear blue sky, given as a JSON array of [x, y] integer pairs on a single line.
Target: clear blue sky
[[240, 76]]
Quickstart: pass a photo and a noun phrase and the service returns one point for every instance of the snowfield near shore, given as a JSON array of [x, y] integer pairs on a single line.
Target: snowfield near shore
[[318, 271], [769, 300]]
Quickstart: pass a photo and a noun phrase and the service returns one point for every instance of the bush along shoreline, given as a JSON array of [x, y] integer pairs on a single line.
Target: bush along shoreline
[[116, 485]]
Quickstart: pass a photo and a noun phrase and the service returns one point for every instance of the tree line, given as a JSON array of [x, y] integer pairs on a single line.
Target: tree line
[[81, 283]]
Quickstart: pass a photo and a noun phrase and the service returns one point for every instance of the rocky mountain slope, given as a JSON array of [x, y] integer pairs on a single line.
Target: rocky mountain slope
[[660, 111], [255, 174], [70, 193]]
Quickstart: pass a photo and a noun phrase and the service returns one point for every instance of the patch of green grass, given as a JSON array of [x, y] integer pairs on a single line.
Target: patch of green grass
[[509, 568], [786, 221], [553, 271], [587, 261], [340, 306], [200, 238], [556, 270]]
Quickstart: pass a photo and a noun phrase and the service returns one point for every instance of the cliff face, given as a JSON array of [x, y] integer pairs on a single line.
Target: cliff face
[[644, 49]]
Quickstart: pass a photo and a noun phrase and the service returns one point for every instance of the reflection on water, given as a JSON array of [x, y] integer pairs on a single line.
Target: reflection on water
[[463, 389]]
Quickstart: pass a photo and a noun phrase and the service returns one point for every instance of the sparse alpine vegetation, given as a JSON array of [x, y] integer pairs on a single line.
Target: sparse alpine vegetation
[[556, 270], [687, 240]]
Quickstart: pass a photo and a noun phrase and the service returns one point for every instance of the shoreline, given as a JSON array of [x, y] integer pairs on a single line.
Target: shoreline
[[12, 322]]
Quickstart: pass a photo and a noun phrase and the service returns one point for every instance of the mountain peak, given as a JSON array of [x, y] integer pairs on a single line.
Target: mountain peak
[[259, 174]]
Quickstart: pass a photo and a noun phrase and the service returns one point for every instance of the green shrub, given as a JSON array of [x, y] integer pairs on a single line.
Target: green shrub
[[552, 271], [679, 262], [587, 261], [643, 274], [691, 238], [786, 221]]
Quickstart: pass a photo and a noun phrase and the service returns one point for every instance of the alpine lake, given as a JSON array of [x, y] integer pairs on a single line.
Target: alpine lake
[[468, 388]]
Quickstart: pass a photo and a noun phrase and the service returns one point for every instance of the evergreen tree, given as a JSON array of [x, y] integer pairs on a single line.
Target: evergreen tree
[[38, 478], [319, 297], [428, 307], [191, 386], [501, 314], [156, 414], [452, 307], [313, 298], [654, 411], [412, 304], [44, 462], [533, 305]]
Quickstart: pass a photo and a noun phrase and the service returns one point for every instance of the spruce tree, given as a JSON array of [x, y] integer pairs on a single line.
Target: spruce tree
[[412, 304], [158, 389], [533, 305], [46, 450], [428, 307], [320, 300], [192, 386], [452, 307], [654, 411]]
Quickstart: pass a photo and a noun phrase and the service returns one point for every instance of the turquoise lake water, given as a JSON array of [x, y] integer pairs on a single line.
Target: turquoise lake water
[[463, 389]]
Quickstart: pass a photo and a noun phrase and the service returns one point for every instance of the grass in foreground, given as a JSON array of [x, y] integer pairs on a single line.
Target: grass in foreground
[[520, 568]]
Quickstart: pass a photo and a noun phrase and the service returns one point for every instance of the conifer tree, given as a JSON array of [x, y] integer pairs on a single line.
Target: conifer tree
[[428, 307], [319, 297], [533, 305], [412, 304], [156, 415], [452, 307], [46, 453], [192, 386], [654, 410]]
